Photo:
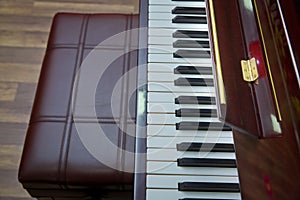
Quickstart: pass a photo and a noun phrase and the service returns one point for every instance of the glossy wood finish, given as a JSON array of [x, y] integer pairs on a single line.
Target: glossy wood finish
[[24, 29], [291, 14], [247, 29], [290, 70], [268, 168], [231, 47], [265, 98]]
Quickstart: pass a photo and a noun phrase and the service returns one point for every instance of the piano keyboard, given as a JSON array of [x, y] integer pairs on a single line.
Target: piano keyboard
[[190, 153]]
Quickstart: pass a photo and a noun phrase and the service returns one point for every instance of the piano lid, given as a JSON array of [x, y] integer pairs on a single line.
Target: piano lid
[[251, 58]]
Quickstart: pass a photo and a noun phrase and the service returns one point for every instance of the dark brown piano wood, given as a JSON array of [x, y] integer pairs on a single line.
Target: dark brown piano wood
[[248, 29], [231, 48], [268, 168]]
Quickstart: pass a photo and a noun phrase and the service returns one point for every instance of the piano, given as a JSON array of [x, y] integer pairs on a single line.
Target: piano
[[218, 100]]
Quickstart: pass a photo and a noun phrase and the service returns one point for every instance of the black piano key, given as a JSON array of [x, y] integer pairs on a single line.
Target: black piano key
[[190, 34], [205, 147], [208, 187], [191, 44], [190, 112], [191, 54], [189, 10], [214, 126], [189, 20], [195, 100], [183, 69], [206, 162], [193, 82]]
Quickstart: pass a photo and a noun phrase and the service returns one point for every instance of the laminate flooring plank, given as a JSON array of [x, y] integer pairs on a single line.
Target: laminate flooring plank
[[8, 91], [11, 38], [13, 116], [16, 7], [25, 23], [12, 133], [19, 72], [18, 111], [21, 55], [9, 185], [23, 100], [25, 94], [10, 156], [50, 8], [129, 2]]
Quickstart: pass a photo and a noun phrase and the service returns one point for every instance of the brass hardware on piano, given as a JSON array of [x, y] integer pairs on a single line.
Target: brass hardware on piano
[[249, 69]]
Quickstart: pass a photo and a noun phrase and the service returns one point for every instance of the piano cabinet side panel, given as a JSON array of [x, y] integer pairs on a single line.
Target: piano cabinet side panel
[[268, 168], [290, 72], [291, 14], [271, 167]]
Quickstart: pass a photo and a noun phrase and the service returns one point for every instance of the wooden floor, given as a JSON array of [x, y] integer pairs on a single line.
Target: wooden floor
[[24, 29]]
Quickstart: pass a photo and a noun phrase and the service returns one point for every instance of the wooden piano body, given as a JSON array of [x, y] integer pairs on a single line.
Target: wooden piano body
[[268, 163]]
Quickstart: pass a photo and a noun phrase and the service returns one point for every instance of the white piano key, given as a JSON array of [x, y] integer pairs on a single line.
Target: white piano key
[[168, 40], [154, 167], [167, 15], [161, 15], [177, 3], [168, 24], [160, 40], [165, 118], [172, 194], [160, 46], [171, 181], [160, 8], [163, 32], [160, 32], [170, 142], [171, 107], [169, 67], [160, 97], [168, 58], [170, 87], [171, 155], [170, 77], [161, 67], [170, 130], [170, 49], [163, 41]]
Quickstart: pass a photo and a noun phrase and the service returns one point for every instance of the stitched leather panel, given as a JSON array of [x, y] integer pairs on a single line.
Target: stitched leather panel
[[54, 156]]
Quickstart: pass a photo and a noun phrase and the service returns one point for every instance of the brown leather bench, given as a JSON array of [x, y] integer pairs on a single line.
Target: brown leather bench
[[59, 161]]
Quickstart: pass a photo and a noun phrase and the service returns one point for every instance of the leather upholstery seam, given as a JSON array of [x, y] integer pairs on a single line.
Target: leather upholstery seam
[[78, 119], [86, 46], [68, 127]]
